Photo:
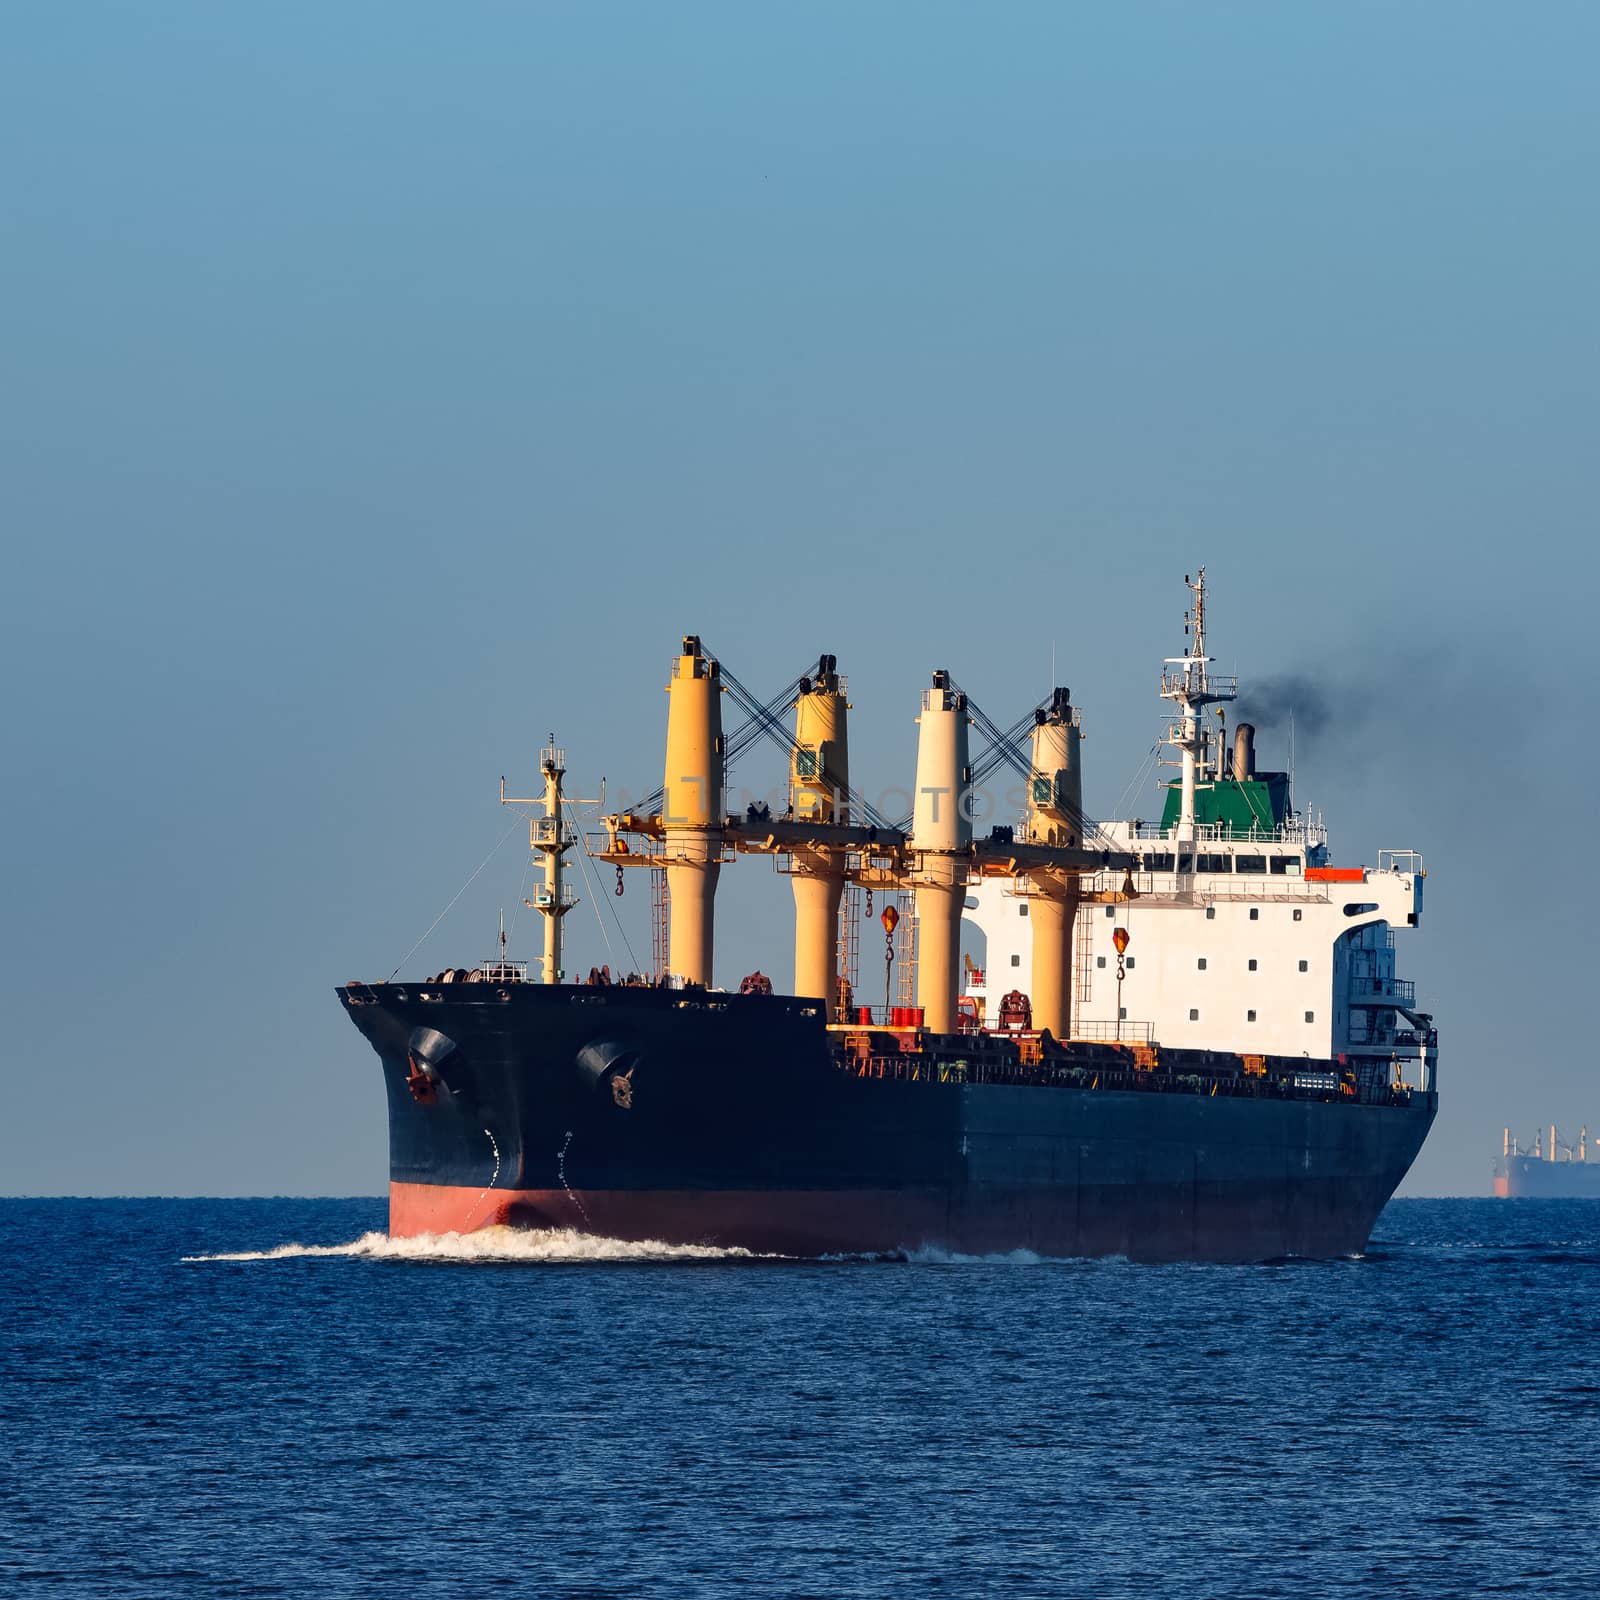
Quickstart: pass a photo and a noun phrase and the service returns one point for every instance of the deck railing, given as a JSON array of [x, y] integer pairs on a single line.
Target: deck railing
[[1310, 1085]]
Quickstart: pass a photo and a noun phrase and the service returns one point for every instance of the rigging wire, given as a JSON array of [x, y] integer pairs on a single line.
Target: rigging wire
[[456, 896], [521, 900], [764, 721], [1005, 748], [760, 720], [1146, 764]]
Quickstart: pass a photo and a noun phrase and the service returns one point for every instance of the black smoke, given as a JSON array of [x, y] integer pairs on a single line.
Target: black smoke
[[1271, 704]]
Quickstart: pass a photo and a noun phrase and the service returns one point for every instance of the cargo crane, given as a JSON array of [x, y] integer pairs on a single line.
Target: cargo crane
[[691, 836], [829, 836]]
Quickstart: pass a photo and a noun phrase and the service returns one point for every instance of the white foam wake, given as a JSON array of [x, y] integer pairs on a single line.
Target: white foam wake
[[494, 1244], [933, 1255]]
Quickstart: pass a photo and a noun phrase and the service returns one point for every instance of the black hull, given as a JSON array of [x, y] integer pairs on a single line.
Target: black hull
[[646, 1113], [1530, 1178]]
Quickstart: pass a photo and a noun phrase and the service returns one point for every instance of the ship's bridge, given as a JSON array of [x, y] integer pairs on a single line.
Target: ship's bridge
[[1248, 944]]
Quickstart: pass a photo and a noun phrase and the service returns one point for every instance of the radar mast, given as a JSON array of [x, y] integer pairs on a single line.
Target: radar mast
[[1187, 682]]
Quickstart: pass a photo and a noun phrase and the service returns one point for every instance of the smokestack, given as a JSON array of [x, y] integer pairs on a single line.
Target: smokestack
[[1054, 817], [1244, 751], [691, 809], [941, 834], [819, 786]]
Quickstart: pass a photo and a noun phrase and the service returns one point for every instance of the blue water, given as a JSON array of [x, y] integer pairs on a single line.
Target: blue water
[[537, 1416]]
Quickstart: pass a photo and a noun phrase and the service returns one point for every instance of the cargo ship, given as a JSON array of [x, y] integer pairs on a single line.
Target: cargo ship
[[1559, 1170], [1184, 1038]]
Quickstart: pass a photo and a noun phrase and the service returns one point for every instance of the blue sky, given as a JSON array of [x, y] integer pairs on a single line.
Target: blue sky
[[388, 384]]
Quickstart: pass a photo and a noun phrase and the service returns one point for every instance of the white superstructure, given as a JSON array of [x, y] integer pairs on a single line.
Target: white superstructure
[[1241, 934]]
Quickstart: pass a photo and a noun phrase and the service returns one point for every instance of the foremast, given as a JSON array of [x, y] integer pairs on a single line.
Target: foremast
[[550, 837]]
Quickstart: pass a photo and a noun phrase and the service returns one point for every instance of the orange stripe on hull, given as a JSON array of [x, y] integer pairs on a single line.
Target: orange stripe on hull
[[782, 1222]]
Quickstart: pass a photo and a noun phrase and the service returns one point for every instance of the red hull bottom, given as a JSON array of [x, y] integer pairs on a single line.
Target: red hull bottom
[[1253, 1223]]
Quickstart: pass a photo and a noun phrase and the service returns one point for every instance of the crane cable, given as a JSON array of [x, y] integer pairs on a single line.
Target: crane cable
[[595, 897]]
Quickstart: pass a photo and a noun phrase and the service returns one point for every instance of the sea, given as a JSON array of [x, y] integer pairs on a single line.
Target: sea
[[271, 1398]]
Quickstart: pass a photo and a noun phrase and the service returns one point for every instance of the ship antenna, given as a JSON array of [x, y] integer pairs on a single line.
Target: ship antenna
[[1187, 681]]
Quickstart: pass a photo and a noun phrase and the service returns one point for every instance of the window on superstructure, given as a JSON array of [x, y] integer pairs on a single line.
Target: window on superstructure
[[1129, 963], [1200, 965], [1100, 961], [1249, 863], [1022, 909], [1305, 966], [1216, 863], [805, 763], [1158, 861], [1194, 1016], [1255, 913], [1297, 913], [1122, 1011], [1280, 864], [1016, 961], [1249, 1016], [1211, 913], [1185, 863], [1252, 963], [1311, 1016], [1111, 911]]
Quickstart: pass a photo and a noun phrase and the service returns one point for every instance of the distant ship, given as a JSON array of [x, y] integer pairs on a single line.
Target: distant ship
[[1558, 1170], [1186, 1039]]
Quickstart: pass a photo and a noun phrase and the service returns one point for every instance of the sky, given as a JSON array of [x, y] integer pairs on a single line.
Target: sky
[[389, 385]]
